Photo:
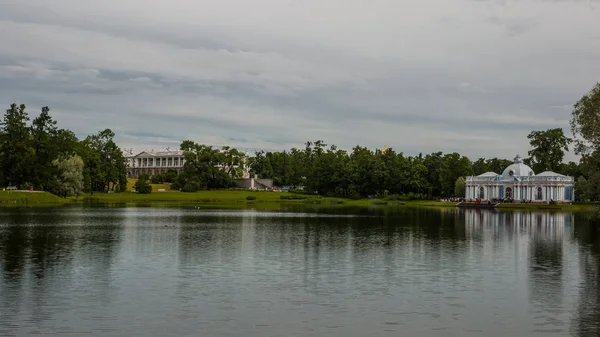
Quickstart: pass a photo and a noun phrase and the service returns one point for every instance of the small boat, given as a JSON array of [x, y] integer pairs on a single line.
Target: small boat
[[480, 204]]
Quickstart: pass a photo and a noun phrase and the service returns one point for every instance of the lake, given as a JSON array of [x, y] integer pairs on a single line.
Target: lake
[[191, 272]]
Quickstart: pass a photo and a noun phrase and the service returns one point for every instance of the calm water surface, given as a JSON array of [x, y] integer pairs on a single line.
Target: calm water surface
[[189, 272]]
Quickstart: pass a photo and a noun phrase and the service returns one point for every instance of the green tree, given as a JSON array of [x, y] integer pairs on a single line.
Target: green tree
[[585, 126], [548, 149], [480, 166], [157, 178], [208, 168], [460, 187], [43, 130], [142, 186], [582, 189], [69, 179], [585, 122], [497, 165], [105, 165], [15, 146]]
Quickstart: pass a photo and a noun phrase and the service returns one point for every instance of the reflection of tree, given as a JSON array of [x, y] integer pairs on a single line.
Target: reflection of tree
[[12, 265], [587, 318], [545, 267], [43, 251]]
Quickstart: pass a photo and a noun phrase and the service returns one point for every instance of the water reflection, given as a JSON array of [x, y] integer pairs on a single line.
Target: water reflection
[[163, 272], [47, 253]]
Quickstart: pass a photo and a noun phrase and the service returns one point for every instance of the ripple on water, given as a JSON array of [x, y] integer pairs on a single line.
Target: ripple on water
[[117, 272]]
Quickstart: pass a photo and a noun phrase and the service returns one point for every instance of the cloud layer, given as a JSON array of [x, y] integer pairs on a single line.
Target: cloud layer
[[419, 76]]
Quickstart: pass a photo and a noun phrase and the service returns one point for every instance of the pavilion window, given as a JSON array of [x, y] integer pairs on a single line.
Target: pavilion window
[[509, 193], [538, 195]]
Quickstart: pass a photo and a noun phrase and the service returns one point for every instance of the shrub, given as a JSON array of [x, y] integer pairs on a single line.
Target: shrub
[[192, 186], [157, 178], [142, 186], [251, 197]]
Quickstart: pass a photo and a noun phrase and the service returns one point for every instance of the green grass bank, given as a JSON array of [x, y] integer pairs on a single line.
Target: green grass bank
[[239, 199]]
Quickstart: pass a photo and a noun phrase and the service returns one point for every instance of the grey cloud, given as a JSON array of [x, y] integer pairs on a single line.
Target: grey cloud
[[444, 79], [514, 26]]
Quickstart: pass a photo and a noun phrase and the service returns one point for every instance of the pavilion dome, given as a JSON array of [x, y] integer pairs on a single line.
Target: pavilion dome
[[517, 169]]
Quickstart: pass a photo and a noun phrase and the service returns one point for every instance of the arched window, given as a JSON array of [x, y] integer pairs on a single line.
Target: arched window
[[508, 194], [481, 193], [538, 195]]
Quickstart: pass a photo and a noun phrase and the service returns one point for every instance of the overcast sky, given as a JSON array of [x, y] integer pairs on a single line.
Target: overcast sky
[[471, 76]]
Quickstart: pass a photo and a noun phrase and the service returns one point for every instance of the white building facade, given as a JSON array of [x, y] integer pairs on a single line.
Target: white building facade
[[152, 163], [519, 182]]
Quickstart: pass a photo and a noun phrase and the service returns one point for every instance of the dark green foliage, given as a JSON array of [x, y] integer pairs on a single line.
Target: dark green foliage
[[170, 176], [329, 171], [251, 197], [496, 165], [16, 147], [105, 165], [27, 151], [585, 125], [207, 167], [142, 186], [191, 186], [157, 178], [548, 149]]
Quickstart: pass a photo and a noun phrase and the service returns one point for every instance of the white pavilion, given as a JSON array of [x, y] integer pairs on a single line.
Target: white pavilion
[[519, 182]]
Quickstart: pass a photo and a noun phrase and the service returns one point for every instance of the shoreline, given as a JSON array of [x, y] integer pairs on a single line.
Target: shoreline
[[239, 199]]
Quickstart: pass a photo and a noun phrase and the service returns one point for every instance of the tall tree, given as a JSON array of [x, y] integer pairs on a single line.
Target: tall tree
[[548, 149], [43, 132], [105, 165], [585, 126], [480, 166], [15, 146], [585, 121]]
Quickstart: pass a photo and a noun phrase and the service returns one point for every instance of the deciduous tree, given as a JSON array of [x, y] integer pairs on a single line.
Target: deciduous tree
[[549, 149], [69, 178]]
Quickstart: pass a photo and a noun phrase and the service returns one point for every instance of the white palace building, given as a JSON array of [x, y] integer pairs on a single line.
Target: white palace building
[[152, 163], [518, 182]]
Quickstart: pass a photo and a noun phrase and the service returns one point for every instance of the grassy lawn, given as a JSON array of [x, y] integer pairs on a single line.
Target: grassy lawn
[[155, 187]]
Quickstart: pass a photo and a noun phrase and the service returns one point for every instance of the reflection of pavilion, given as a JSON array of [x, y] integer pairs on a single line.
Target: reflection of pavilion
[[529, 248], [481, 221]]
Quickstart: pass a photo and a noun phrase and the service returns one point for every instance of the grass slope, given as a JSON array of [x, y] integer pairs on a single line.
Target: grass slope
[[17, 198]]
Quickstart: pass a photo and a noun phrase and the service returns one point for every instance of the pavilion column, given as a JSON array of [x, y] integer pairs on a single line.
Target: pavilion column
[[560, 194]]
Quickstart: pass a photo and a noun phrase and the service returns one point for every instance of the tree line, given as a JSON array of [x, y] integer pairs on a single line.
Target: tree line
[[37, 154], [327, 170], [361, 172], [330, 171]]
